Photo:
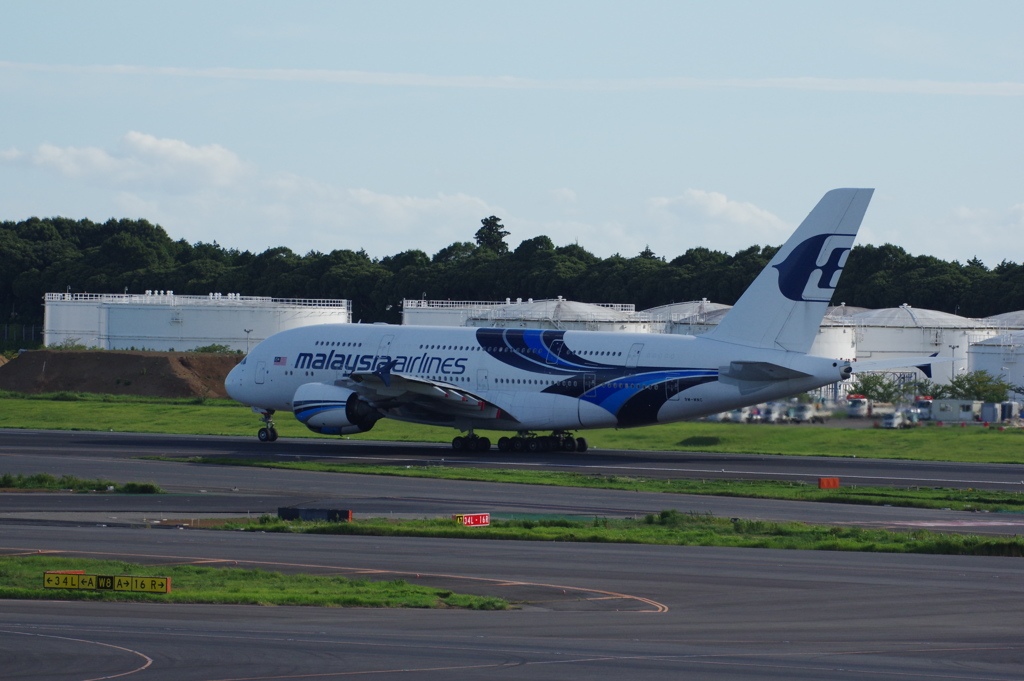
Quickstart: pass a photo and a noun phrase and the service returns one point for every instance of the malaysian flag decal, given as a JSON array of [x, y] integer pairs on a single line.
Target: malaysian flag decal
[[280, 361]]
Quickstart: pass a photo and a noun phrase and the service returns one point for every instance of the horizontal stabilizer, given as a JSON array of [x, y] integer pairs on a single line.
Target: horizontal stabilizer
[[759, 371], [922, 363]]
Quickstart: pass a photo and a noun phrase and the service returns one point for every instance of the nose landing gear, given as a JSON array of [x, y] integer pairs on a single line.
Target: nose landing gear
[[268, 433]]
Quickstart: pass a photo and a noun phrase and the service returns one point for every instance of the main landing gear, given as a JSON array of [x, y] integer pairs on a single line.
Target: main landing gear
[[559, 441], [269, 433]]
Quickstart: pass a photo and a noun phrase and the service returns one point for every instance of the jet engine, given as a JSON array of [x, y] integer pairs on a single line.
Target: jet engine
[[330, 410]]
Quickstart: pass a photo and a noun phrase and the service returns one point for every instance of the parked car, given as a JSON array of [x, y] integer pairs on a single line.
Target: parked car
[[860, 407], [741, 415], [773, 413], [907, 418], [807, 413]]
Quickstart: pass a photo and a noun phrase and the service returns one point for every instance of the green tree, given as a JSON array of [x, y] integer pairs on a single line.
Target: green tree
[[457, 252], [536, 247], [877, 387], [414, 258], [978, 385], [926, 386], [977, 300], [492, 235]]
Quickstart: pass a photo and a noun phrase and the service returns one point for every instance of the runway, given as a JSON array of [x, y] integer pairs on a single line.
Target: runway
[[584, 611], [225, 490], [105, 447]]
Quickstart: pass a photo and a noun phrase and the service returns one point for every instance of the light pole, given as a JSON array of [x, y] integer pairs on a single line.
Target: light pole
[[952, 354], [247, 332]]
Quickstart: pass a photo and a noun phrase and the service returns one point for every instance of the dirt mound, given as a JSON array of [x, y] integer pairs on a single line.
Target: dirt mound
[[115, 372]]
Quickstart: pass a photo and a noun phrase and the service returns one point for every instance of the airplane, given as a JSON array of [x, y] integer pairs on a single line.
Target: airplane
[[340, 379]]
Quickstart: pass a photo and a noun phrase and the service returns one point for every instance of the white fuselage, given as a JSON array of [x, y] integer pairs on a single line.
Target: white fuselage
[[537, 379]]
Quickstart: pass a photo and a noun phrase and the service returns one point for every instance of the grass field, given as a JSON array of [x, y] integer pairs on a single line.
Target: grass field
[[670, 528], [22, 577], [916, 497], [45, 481], [224, 417]]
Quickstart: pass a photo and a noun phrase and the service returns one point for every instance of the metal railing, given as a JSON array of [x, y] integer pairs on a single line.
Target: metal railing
[[417, 304], [215, 299]]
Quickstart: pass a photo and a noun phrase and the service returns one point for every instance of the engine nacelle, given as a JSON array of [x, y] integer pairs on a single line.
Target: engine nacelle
[[330, 410]]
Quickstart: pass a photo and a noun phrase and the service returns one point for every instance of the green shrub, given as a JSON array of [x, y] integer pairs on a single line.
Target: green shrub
[[215, 347], [139, 488]]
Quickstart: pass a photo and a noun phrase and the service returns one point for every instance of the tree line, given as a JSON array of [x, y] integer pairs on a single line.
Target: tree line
[[974, 385], [43, 255]]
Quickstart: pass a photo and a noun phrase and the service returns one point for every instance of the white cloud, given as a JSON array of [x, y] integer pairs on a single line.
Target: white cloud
[[908, 43], [141, 162], [212, 162], [82, 163], [710, 219], [207, 193], [563, 196], [974, 232], [875, 85], [959, 233]]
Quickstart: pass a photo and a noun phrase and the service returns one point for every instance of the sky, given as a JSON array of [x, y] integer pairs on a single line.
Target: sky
[[388, 126]]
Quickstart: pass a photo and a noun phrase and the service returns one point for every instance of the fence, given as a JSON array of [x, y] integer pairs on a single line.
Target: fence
[[22, 332]]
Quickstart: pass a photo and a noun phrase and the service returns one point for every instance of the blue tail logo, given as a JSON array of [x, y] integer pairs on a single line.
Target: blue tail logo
[[799, 267]]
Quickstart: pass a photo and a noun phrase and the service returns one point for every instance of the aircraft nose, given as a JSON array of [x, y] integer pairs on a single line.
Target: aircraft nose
[[233, 382]]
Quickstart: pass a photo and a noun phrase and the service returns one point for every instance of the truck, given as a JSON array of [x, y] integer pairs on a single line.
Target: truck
[[773, 412], [923, 403], [806, 413], [904, 418], [1000, 412], [741, 415], [860, 407]]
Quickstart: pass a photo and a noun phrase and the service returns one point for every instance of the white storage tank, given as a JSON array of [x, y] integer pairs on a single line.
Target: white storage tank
[[554, 313], [161, 320], [1009, 321], [1002, 357], [904, 331]]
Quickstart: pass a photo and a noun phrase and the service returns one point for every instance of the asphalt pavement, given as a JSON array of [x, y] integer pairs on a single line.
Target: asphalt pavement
[[582, 611]]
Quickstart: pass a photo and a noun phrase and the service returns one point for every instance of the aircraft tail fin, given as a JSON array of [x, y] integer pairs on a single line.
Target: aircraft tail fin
[[784, 306]]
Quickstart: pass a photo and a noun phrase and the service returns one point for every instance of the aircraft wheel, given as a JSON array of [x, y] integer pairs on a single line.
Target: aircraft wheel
[[458, 443], [581, 444], [273, 435], [263, 434], [518, 444], [568, 445], [533, 444], [483, 444], [545, 443], [504, 444]]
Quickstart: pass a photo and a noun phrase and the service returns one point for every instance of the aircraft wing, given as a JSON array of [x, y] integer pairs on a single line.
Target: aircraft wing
[[391, 391]]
